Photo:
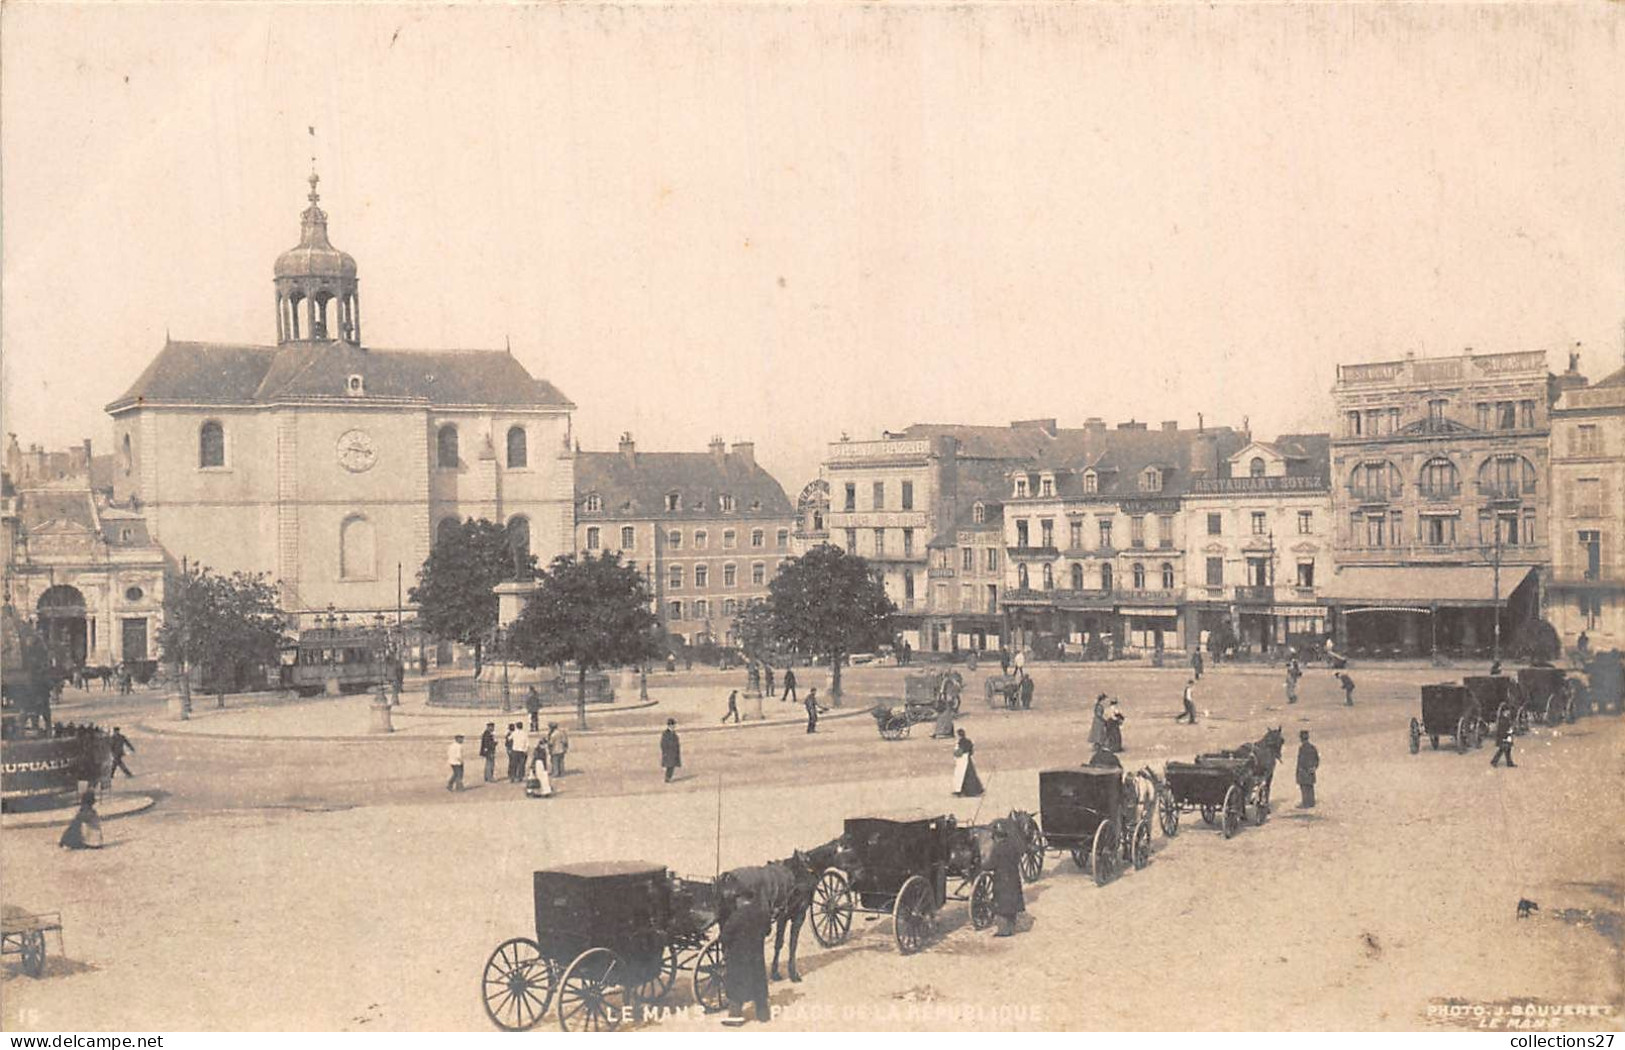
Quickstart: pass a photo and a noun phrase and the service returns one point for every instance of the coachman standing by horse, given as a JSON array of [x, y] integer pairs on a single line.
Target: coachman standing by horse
[[745, 974], [1005, 863], [1308, 763]]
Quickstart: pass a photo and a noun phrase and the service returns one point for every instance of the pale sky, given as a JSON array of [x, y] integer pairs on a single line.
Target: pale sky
[[780, 223]]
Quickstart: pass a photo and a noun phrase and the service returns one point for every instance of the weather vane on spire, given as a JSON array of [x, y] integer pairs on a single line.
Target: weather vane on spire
[[314, 178]]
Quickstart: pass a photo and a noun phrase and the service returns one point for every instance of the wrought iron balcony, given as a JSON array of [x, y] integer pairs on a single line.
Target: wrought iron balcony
[[1506, 490], [1255, 594], [1033, 553], [1446, 491], [1375, 493]]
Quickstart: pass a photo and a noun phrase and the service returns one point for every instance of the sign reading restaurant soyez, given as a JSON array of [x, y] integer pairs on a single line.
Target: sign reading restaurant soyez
[[1276, 484]]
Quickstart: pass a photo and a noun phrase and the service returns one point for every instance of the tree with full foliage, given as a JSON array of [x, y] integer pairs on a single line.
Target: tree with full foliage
[[218, 623], [753, 628], [592, 612], [455, 592], [833, 604], [1536, 642]]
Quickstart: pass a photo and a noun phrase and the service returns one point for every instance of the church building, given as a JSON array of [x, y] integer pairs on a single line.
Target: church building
[[330, 464]]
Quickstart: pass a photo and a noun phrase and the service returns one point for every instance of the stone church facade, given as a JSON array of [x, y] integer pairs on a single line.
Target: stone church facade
[[329, 464]]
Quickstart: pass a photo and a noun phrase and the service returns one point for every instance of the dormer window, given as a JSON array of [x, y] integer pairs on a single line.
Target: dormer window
[[978, 514], [1091, 481], [1021, 487], [1046, 485], [355, 386], [1151, 480], [674, 502], [725, 503], [595, 503], [1255, 469]]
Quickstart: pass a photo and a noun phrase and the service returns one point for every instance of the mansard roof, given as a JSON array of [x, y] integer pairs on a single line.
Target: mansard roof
[[634, 485]]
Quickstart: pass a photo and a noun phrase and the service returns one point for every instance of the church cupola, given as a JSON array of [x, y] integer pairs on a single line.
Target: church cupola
[[316, 298]]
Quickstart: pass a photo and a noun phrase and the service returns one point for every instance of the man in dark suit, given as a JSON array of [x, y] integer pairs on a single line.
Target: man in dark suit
[[1308, 762], [488, 750], [120, 744], [790, 686], [745, 971], [1026, 692], [1005, 863], [671, 749]]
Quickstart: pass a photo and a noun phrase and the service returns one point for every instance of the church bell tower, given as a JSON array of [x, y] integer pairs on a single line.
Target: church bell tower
[[316, 297]]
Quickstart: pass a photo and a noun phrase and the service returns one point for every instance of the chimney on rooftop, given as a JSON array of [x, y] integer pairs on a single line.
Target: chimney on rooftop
[[1170, 426], [1131, 425], [745, 451], [1094, 425], [718, 447], [628, 448], [1200, 426]]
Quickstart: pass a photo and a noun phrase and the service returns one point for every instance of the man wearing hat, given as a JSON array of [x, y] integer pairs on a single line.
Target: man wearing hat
[[1308, 762], [1005, 863], [558, 745], [454, 759], [671, 749], [488, 750]]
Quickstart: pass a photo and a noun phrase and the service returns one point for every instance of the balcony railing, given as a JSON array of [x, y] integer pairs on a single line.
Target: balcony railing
[[1030, 553], [1440, 492], [1157, 597], [1376, 493], [1506, 490], [1255, 594]]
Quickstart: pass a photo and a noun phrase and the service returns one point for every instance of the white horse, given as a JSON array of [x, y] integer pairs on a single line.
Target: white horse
[[1143, 787]]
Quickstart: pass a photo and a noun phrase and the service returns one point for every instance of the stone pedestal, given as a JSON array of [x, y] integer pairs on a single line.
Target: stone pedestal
[[511, 598], [382, 720]]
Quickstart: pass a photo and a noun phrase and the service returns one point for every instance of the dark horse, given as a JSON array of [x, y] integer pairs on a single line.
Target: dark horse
[[785, 889], [1264, 753]]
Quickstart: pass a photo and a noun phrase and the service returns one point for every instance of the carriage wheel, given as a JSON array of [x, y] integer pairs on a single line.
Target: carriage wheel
[[1032, 861], [1210, 815], [591, 996], [901, 733], [32, 950], [1464, 729], [517, 987], [1107, 852], [912, 914], [832, 908], [655, 988], [981, 901], [710, 990], [1142, 844], [1571, 710], [1168, 815], [1232, 811], [1416, 737]]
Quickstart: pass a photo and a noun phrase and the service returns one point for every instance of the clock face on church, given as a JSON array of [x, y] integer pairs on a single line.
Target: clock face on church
[[356, 451]]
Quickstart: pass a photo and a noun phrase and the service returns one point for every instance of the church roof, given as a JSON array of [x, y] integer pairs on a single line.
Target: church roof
[[239, 374], [635, 485]]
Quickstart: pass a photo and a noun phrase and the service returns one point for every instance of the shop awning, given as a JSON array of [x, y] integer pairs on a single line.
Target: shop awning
[[1163, 612], [1421, 586]]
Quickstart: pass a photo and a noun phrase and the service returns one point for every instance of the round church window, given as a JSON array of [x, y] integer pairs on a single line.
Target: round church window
[[134, 594]]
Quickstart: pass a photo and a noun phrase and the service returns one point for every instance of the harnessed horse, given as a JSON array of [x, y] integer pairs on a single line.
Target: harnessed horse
[[784, 888]]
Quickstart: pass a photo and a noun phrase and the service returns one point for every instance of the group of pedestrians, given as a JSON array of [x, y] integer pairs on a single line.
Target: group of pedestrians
[[534, 758]]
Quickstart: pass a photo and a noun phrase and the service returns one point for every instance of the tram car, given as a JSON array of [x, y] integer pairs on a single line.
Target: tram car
[[338, 660]]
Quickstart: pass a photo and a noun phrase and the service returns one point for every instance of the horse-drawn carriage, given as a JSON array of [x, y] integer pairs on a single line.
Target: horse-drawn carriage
[[1000, 688], [1092, 813], [23, 934], [1548, 695], [934, 688], [1221, 785], [895, 723], [1492, 691], [608, 936], [1450, 710], [907, 868]]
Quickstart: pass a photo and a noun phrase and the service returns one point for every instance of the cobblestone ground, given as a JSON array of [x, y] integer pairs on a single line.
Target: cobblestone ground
[[333, 883]]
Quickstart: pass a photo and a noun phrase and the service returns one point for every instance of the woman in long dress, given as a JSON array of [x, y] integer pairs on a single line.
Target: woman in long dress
[[540, 784], [84, 831], [1113, 728], [966, 783], [1097, 728]]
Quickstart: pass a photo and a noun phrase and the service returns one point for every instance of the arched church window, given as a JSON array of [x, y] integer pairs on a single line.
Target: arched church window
[[211, 445], [446, 446], [518, 456], [358, 549], [126, 456]]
